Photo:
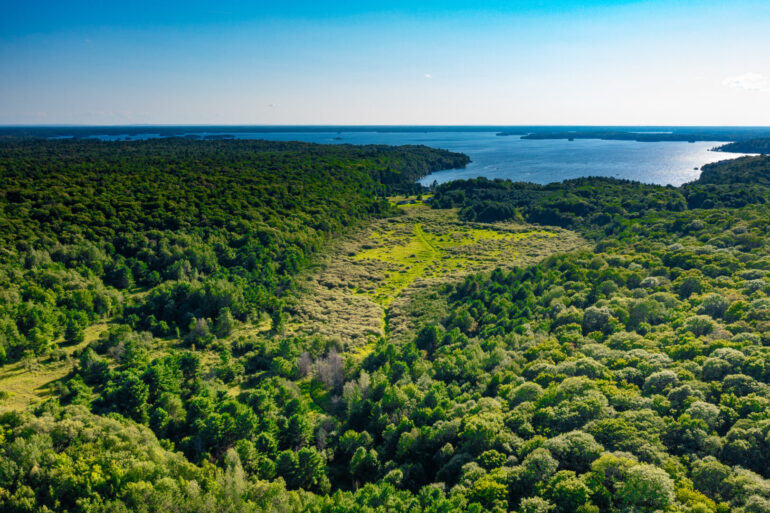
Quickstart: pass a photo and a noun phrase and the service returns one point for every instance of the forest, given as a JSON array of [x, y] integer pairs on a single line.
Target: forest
[[205, 230], [761, 145], [743, 139], [631, 374]]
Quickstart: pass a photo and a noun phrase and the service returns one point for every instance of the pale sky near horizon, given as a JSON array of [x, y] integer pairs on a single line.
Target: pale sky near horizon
[[398, 62]]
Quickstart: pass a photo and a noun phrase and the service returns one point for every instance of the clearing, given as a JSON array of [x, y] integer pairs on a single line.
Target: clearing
[[388, 277], [29, 380]]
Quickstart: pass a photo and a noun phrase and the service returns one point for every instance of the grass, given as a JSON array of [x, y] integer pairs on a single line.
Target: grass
[[446, 252], [264, 324], [361, 352], [397, 201], [411, 259], [386, 279], [29, 381]]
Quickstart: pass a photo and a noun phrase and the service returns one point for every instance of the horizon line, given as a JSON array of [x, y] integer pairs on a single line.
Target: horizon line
[[365, 125]]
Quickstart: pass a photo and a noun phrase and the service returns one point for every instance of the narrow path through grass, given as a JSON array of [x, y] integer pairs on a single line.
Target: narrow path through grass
[[409, 260]]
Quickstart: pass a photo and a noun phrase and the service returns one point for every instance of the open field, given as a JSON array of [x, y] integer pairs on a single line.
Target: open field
[[30, 380], [387, 277]]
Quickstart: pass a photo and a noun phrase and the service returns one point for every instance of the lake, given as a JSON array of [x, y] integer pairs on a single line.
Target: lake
[[510, 157]]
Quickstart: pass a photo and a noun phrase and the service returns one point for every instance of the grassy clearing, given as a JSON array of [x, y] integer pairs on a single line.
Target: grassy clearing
[[446, 250], [444, 253], [387, 278], [409, 201], [411, 260], [30, 381], [253, 329]]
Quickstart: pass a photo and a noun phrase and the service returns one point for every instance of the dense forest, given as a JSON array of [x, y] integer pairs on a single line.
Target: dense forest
[[604, 206], [743, 138], [750, 146], [209, 230], [634, 377]]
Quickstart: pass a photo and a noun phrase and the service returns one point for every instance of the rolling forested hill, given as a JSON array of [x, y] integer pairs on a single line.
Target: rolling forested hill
[[630, 376]]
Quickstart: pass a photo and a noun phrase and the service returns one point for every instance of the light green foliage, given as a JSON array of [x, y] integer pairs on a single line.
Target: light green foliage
[[632, 376], [388, 278], [646, 488], [567, 492], [535, 505], [74, 459]]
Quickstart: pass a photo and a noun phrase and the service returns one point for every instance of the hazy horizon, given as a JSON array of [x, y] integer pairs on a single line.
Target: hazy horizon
[[359, 126]]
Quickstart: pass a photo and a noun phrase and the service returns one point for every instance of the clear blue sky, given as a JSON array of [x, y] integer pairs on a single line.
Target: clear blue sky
[[394, 62]]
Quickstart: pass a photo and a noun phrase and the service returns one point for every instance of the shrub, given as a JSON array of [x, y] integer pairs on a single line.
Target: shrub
[[699, 325], [714, 305]]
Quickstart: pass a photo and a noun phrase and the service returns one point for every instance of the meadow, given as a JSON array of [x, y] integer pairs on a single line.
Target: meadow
[[388, 277]]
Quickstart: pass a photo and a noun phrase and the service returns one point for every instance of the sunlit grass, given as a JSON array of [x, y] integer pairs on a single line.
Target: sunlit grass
[[411, 258], [385, 279], [427, 254], [29, 381]]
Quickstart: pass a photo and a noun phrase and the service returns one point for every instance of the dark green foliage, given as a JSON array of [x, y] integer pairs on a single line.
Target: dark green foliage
[[206, 226], [761, 145], [634, 376], [730, 183], [601, 204], [73, 333]]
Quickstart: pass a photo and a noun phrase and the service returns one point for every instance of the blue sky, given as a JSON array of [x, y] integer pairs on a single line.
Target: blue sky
[[439, 62]]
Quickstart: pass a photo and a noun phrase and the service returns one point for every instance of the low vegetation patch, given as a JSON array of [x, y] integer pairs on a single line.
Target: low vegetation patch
[[388, 276]]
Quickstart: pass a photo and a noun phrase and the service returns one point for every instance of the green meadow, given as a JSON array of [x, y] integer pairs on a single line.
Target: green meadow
[[387, 277]]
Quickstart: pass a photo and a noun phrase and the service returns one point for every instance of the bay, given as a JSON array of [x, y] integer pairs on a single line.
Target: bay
[[523, 160]]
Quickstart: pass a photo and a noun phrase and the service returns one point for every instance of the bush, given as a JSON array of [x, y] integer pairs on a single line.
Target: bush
[[714, 305], [646, 488], [699, 325], [597, 319], [689, 286]]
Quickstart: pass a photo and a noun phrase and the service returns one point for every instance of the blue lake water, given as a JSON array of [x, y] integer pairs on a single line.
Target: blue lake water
[[539, 161]]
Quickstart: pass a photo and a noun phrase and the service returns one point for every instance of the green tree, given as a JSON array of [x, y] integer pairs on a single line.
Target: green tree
[[74, 333], [364, 465], [646, 488], [225, 323], [567, 491]]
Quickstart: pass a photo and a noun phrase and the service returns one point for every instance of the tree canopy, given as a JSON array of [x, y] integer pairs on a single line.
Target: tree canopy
[[630, 376]]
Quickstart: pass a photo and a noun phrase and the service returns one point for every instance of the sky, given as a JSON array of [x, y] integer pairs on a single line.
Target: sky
[[385, 62]]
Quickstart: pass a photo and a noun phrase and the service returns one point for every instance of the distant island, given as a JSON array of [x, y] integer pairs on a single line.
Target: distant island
[[761, 146], [628, 133], [751, 138]]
